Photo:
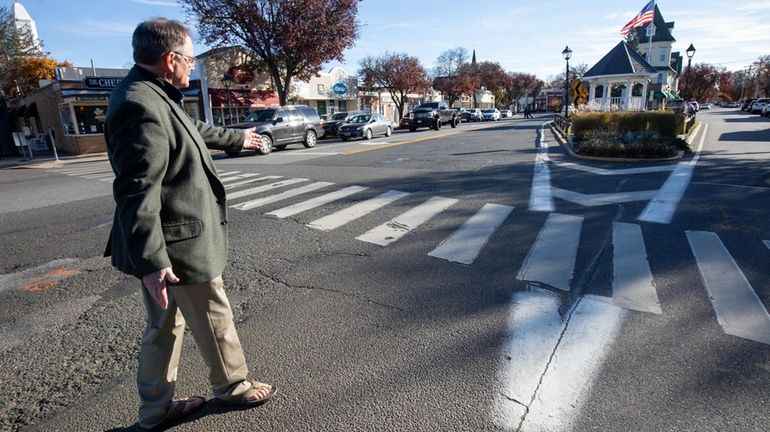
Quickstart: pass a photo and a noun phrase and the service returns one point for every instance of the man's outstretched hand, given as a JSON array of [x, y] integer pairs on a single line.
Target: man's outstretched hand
[[155, 283]]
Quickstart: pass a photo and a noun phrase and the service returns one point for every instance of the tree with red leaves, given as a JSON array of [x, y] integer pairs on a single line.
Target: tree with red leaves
[[521, 85], [397, 73], [289, 39]]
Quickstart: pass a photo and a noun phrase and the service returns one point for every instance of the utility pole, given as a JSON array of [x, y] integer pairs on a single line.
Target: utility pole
[[746, 75]]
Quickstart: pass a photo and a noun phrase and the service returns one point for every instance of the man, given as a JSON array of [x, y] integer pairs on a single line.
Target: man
[[170, 223]]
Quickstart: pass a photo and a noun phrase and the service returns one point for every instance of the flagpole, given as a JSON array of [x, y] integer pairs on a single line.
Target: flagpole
[[650, 33]]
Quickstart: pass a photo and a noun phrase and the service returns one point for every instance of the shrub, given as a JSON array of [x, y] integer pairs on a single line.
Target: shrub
[[665, 124]]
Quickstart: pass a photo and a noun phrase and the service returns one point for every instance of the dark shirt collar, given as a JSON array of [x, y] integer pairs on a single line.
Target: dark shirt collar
[[172, 92]]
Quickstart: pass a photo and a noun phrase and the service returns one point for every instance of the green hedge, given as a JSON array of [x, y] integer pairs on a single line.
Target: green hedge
[[665, 124]]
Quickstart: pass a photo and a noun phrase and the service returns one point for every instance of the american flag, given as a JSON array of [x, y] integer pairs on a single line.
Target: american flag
[[645, 16]]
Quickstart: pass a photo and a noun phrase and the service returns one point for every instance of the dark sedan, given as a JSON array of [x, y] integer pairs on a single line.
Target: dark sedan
[[332, 125]]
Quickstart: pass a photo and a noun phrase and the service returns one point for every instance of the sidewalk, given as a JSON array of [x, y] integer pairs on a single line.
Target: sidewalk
[[46, 160]]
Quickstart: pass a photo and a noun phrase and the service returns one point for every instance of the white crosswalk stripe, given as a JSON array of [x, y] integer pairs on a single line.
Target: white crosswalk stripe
[[344, 216], [83, 172], [281, 196], [399, 226], [464, 245], [316, 202], [222, 174], [251, 180], [739, 310], [237, 177], [632, 285], [551, 260], [265, 188], [99, 175]]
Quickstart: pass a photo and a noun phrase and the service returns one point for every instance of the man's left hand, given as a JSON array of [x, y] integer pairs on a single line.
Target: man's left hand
[[252, 140]]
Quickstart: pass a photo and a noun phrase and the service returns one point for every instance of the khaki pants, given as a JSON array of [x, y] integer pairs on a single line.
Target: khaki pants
[[207, 312]]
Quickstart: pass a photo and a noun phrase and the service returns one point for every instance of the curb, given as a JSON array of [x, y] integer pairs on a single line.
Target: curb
[[568, 147]]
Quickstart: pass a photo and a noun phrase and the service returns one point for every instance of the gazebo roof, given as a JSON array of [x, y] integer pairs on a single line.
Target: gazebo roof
[[621, 61]]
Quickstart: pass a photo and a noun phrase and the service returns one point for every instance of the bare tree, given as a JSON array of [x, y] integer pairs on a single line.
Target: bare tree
[[289, 39], [448, 63], [397, 73]]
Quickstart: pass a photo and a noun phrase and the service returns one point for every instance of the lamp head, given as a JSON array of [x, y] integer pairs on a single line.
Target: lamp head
[[690, 51], [567, 53]]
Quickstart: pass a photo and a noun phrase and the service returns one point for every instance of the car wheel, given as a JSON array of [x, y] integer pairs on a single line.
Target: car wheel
[[412, 129], [310, 139], [232, 153], [368, 134], [388, 131], [280, 147], [438, 124], [267, 145], [344, 138], [454, 122]]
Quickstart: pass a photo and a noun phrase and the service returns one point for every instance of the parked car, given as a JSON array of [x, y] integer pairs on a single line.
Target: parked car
[[405, 120], [284, 125], [705, 106], [506, 113], [758, 104], [766, 110], [491, 114], [365, 126], [336, 119], [472, 114], [746, 104]]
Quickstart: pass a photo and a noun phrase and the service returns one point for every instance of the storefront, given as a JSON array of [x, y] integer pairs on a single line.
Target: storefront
[[329, 92]]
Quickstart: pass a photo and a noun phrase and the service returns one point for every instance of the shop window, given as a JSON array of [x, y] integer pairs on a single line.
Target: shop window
[[90, 119], [68, 123]]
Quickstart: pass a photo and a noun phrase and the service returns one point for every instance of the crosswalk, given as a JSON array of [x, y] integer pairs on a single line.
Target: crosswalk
[[550, 262]]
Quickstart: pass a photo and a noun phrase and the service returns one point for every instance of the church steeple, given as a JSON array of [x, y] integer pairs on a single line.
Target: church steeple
[[473, 59]]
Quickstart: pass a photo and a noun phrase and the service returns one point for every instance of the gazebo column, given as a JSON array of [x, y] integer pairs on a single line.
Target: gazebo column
[[591, 93], [643, 106], [627, 98], [605, 94]]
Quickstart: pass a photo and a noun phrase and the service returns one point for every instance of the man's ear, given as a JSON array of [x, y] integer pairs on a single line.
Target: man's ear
[[167, 61]]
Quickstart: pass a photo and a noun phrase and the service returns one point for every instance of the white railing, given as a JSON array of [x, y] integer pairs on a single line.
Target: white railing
[[616, 104]]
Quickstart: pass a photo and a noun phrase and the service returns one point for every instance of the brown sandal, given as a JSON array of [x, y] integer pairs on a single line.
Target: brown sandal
[[247, 398], [178, 410]]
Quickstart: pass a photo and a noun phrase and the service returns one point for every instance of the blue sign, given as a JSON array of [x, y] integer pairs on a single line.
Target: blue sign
[[340, 88]]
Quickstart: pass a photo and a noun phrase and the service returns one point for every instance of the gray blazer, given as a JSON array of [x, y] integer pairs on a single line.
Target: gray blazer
[[170, 205]]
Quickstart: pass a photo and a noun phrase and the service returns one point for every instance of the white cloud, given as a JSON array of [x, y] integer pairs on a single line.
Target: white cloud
[[100, 28]]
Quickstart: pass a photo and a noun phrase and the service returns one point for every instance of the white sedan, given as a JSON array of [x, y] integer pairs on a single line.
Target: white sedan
[[491, 114]]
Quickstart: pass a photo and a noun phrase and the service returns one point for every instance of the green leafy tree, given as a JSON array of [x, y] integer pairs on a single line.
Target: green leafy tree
[[289, 39]]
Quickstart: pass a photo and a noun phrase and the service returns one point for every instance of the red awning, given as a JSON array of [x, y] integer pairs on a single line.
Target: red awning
[[243, 98]]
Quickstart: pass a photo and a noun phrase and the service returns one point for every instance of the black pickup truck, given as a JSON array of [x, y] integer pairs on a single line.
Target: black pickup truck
[[433, 115]]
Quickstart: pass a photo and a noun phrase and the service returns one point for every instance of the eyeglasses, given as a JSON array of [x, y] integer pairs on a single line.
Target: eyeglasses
[[188, 59]]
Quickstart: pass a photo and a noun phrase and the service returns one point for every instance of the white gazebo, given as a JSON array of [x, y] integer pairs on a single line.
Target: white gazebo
[[625, 70]]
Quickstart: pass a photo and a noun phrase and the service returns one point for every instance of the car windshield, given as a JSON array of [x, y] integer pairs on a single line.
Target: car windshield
[[339, 116], [261, 116], [361, 119], [429, 105], [489, 111]]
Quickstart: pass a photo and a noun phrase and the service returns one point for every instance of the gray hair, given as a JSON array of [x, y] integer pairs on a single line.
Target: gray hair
[[154, 38]]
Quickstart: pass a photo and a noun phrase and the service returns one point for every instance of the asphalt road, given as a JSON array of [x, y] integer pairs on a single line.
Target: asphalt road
[[460, 305]]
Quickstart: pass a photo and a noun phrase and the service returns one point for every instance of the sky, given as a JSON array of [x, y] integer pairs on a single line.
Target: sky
[[521, 37]]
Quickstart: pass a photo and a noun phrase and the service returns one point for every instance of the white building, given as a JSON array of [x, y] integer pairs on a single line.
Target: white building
[[328, 92], [23, 22]]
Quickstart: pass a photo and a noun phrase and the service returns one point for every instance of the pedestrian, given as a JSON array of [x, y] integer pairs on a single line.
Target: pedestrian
[[170, 225], [527, 112]]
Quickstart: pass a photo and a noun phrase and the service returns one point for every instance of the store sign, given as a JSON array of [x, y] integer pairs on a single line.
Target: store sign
[[240, 75], [340, 88], [102, 82]]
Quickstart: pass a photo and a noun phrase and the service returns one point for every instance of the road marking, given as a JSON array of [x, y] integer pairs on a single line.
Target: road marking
[[226, 174], [251, 180], [281, 196], [316, 202], [90, 167], [336, 220], [540, 196], [264, 188], [237, 177], [81, 172], [632, 284], [739, 310], [399, 226], [600, 199], [551, 260], [465, 244], [609, 172], [553, 362], [662, 207], [382, 146]]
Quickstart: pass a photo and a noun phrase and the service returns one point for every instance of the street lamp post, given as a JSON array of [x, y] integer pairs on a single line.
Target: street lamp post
[[690, 52], [226, 81], [567, 53]]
